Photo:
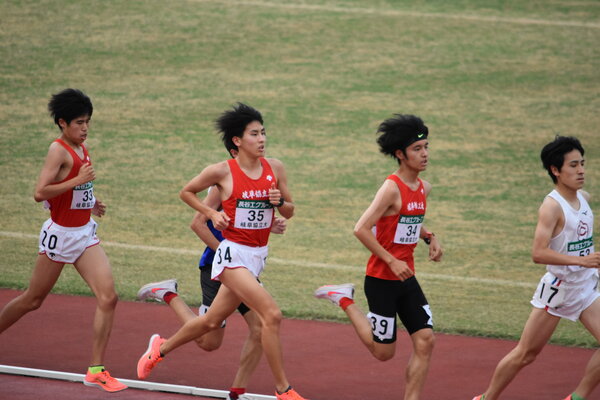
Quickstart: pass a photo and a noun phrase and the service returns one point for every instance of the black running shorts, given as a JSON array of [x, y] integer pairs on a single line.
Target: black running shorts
[[390, 298]]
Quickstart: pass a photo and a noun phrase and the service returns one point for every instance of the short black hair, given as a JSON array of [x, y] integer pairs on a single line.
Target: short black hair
[[399, 132], [69, 104], [233, 123], [553, 154]]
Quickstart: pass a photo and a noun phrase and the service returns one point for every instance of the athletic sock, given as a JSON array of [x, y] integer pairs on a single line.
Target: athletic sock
[[575, 396], [234, 393], [169, 296], [346, 302], [94, 369], [285, 391]]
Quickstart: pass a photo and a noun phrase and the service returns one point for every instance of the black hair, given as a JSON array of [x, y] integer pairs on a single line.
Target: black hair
[[553, 154], [69, 104], [233, 123], [399, 132]]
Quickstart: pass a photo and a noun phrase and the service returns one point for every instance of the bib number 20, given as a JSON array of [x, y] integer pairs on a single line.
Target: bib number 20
[[52, 239]]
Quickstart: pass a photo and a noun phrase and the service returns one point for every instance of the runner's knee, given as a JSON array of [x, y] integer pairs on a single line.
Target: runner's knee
[[424, 344], [107, 301], [208, 344], [272, 318]]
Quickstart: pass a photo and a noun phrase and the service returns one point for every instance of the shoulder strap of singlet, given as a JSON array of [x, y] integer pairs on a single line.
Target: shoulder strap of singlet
[[402, 185], [71, 151]]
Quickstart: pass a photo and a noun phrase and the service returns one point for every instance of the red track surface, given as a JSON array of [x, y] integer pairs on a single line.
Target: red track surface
[[323, 360]]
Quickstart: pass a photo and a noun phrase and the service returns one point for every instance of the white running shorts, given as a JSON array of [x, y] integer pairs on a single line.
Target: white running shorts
[[565, 300], [66, 245], [233, 255]]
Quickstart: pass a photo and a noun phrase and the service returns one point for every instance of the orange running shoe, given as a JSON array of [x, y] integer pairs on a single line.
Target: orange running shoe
[[291, 394], [103, 380], [151, 357]]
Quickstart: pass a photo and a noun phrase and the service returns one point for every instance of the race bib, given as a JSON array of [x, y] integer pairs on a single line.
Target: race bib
[[253, 214], [550, 293], [581, 248], [382, 327], [408, 229], [83, 197]]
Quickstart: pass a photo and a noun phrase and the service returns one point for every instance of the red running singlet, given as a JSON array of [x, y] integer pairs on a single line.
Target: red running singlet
[[399, 233], [248, 206], [74, 207]]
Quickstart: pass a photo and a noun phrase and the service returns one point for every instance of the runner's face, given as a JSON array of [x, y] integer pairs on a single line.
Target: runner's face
[[77, 130], [417, 155], [572, 173], [253, 140]]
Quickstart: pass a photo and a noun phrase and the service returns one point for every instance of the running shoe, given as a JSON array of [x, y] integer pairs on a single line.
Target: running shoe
[[239, 397], [335, 293], [291, 394], [104, 381], [151, 357], [157, 290], [480, 397]]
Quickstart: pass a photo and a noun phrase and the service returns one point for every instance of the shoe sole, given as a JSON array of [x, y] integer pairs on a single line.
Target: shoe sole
[[145, 355], [99, 386]]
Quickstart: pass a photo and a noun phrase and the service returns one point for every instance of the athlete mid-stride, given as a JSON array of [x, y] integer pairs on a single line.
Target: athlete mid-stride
[[564, 241], [251, 188], [396, 214], [65, 185]]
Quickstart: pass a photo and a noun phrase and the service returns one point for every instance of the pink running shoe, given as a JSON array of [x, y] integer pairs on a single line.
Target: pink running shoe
[[103, 380], [291, 394], [480, 397], [151, 357], [335, 293]]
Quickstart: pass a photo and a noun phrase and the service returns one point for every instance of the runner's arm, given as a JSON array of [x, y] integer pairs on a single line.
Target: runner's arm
[[45, 188], [199, 226], [550, 215], [435, 248], [211, 175], [281, 191], [384, 199]]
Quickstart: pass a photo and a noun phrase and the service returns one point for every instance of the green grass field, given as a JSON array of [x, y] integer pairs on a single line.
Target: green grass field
[[493, 80]]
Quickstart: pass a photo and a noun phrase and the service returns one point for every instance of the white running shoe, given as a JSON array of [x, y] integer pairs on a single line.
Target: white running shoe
[[240, 397], [335, 293], [157, 290]]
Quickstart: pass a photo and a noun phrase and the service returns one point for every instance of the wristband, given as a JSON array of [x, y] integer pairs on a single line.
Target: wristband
[[427, 238], [281, 201]]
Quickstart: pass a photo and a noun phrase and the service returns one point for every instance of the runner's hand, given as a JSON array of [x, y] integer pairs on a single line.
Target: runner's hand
[[591, 260], [220, 220], [99, 208], [435, 250], [86, 173], [279, 225], [401, 269], [274, 195]]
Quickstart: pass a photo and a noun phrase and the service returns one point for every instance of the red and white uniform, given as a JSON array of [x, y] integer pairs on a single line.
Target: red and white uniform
[[248, 206], [399, 233], [73, 208]]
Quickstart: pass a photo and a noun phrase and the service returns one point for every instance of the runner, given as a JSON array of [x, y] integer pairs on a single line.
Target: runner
[[167, 291], [397, 213], [564, 241], [251, 186], [65, 185]]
